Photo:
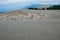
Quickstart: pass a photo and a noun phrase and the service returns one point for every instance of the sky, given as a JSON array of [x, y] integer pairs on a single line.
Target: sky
[[6, 5], [33, 1]]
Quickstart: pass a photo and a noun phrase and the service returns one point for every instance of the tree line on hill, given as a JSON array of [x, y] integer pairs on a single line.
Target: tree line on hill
[[55, 7]]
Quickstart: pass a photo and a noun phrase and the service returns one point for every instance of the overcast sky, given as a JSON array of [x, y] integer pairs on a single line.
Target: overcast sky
[[33, 1], [8, 5]]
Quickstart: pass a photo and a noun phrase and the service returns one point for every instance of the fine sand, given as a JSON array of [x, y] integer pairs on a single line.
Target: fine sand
[[46, 27]]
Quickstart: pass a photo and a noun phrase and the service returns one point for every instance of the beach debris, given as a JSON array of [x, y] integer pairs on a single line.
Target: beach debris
[[29, 16]]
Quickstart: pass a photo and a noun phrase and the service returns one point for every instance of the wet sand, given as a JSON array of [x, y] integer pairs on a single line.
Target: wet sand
[[44, 29]]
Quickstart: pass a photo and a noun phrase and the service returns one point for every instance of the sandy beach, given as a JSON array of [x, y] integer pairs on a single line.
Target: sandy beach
[[43, 25]]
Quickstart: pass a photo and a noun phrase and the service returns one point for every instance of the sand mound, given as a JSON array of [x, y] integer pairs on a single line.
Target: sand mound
[[15, 15]]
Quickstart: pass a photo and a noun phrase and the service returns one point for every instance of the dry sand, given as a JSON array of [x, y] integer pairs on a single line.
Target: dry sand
[[15, 15], [43, 29]]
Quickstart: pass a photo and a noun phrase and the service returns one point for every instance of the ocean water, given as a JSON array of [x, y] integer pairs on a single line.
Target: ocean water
[[44, 29]]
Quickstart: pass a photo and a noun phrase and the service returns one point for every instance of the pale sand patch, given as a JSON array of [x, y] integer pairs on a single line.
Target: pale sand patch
[[28, 16]]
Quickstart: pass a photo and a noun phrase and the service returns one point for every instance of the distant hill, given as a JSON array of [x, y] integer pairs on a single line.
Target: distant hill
[[33, 6], [54, 7], [39, 6]]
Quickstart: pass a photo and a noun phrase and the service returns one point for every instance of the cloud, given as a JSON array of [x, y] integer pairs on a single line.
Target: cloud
[[47, 1], [13, 1], [33, 1]]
